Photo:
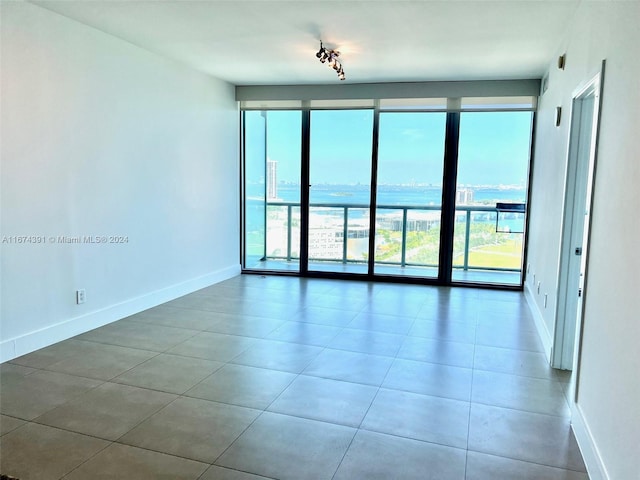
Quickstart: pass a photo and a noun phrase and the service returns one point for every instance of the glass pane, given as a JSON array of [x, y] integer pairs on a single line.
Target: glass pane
[[409, 193], [272, 161], [493, 165], [339, 196], [254, 188]]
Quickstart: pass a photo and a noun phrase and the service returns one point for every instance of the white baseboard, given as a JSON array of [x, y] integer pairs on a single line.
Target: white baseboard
[[541, 326], [27, 343], [588, 448]]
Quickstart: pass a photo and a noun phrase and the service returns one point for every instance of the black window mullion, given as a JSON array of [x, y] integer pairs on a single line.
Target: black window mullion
[[447, 222], [374, 190], [304, 193]]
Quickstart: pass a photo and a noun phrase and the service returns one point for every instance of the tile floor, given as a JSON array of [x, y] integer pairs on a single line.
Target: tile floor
[[287, 378]]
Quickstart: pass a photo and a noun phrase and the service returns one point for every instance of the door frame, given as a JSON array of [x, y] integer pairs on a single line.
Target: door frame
[[567, 336]]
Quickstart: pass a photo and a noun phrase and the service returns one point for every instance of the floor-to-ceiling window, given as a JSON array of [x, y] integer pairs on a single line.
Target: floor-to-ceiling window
[[271, 171], [339, 190], [409, 193], [491, 193], [254, 188], [433, 190]]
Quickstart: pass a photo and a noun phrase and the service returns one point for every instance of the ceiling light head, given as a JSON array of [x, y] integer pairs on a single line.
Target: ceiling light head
[[330, 57]]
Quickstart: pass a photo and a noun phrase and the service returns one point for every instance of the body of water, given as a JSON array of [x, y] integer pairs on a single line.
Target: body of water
[[395, 194]]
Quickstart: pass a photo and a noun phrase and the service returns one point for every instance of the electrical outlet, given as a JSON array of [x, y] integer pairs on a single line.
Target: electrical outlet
[[539, 288], [546, 295], [81, 296]]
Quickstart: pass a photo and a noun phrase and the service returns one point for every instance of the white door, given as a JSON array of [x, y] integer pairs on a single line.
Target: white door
[[576, 220]]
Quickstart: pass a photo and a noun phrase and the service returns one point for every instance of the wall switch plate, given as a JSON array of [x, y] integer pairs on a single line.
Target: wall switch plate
[[81, 296]]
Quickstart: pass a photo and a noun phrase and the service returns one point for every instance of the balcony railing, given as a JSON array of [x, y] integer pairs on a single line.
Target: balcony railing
[[467, 215]]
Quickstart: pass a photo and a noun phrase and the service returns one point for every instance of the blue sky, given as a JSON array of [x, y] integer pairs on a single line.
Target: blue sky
[[493, 149]]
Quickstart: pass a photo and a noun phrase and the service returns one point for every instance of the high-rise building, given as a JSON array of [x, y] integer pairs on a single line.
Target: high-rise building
[[464, 196], [272, 179]]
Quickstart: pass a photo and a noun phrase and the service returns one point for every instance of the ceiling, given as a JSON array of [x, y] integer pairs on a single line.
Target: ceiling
[[274, 42]]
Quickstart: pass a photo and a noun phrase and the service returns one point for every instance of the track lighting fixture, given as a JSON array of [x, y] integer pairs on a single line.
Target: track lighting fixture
[[330, 57], [322, 54]]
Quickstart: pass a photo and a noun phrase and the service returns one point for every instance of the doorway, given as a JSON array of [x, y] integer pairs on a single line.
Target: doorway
[[581, 163]]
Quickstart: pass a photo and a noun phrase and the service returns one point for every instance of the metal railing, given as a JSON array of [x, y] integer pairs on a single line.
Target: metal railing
[[467, 209]]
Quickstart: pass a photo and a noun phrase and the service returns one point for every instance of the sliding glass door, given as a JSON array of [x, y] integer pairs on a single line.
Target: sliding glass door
[[254, 189], [409, 193], [272, 192], [491, 193], [339, 190]]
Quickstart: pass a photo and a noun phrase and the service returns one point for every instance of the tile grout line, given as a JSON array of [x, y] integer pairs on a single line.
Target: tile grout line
[[473, 372], [264, 410], [358, 429]]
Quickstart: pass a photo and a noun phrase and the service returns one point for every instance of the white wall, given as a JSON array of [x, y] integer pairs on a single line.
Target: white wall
[[100, 137], [607, 413]]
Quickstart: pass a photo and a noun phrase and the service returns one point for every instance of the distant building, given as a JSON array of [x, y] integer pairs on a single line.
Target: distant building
[[417, 221], [325, 243], [272, 179], [464, 196]]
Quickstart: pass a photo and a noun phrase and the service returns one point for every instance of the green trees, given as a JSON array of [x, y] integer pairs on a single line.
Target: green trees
[[486, 247]]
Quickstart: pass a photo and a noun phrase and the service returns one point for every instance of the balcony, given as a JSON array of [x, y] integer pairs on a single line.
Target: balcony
[[407, 241]]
